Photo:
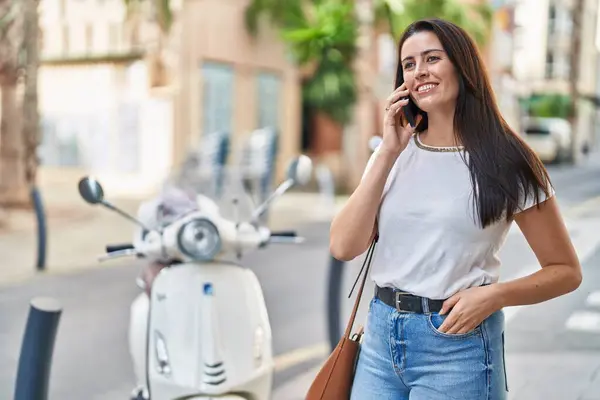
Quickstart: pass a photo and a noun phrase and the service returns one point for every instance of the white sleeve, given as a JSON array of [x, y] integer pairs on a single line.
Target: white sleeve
[[526, 202]]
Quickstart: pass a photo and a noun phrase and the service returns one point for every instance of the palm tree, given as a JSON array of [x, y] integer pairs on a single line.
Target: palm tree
[[19, 127], [322, 36], [13, 192], [577, 17], [31, 120], [326, 41]]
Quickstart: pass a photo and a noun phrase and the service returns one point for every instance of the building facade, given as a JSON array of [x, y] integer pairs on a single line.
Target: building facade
[[96, 114], [100, 115], [232, 82], [542, 54]]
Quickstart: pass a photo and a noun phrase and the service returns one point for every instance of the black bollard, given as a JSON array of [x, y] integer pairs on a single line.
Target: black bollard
[[334, 291], [42, 234], [35, 361]]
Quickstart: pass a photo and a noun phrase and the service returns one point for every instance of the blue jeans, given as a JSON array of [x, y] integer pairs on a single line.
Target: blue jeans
[[404, 357]]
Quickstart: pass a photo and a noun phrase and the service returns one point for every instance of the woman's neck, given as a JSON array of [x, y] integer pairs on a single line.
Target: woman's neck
[[440, 130]]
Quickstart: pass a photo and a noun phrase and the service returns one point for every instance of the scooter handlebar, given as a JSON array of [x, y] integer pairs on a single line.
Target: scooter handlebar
[[111, 248], [290, 234], [286, 237]]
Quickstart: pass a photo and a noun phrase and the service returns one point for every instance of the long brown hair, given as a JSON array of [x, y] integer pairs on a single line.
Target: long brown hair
[[504, 170]]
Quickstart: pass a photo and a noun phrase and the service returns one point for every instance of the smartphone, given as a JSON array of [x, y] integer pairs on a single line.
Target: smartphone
[[410, 110]]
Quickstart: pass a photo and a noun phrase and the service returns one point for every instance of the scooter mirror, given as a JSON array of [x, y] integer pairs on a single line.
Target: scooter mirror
[[300, 170], [91, 190], [298, 173]]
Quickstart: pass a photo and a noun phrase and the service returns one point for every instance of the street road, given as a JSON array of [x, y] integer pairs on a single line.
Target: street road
[[91, 356]]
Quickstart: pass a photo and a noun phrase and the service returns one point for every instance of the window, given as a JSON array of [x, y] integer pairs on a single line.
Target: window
[[553, 25], [549, 65], [557, 66], [566, 22], [217, 97], [562, 67], [268, 100], [552, 19]]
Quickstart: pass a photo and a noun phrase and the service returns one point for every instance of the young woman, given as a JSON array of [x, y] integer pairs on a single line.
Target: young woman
[[441, 197]]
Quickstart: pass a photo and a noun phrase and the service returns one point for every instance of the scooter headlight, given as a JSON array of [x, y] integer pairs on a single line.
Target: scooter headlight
[[199, 239]]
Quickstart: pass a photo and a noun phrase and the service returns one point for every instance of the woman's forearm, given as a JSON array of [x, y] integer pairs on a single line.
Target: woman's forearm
[[352, 227], [549, 282]]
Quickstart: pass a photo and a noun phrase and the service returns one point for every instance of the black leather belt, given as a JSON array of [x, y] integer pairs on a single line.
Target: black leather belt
[[406, 302]]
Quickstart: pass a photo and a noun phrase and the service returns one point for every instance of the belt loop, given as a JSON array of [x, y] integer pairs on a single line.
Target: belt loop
[[425, 305]]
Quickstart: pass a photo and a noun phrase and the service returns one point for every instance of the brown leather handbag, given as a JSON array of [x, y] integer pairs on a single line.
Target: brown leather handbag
[[334, 380]]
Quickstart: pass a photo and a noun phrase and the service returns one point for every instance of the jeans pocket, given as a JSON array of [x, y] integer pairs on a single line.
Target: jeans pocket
[[436, 320]]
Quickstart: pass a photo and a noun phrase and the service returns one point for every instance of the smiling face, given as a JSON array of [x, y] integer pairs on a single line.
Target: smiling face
[[428, 73]]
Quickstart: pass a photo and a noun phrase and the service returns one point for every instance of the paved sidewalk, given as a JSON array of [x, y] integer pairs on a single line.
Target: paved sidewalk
[[553, 348], [77, 232], [296, 389]]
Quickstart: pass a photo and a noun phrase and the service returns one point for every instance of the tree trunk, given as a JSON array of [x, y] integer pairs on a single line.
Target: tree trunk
[[13, 190], [31, 118], [158, 73], [577, 19]]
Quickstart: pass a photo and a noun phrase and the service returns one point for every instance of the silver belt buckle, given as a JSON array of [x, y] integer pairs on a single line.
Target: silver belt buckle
[[399, 302]]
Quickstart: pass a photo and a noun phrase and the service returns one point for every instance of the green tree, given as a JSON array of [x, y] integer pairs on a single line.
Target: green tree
[[577, 17], [323, 34], [398, 14], [327, 40], [550, 106]]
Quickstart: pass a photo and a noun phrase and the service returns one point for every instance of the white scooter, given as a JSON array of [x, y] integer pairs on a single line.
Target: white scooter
[[204, 333]]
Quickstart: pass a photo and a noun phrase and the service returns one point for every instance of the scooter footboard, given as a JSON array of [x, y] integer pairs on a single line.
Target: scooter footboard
[[209, 332]]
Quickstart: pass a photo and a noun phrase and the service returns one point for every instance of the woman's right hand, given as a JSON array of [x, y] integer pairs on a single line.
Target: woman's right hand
[[396, 136]]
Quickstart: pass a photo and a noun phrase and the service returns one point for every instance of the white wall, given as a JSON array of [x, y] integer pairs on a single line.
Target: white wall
[[101, 120], [529, 57]]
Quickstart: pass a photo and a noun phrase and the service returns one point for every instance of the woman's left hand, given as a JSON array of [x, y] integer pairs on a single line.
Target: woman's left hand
[[468, 308]]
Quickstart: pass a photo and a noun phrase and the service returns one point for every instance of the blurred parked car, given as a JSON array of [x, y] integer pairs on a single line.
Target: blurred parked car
[[550, 138]]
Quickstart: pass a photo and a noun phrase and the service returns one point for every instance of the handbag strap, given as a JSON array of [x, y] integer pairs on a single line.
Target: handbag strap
[[367, 263]]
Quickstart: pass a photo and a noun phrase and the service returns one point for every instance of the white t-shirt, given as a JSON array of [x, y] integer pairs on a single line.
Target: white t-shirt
[[429, 241]]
